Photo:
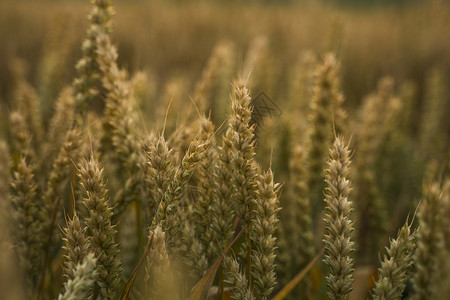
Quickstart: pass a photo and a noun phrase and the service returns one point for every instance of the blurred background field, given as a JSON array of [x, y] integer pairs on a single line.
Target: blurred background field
[[175, 38]]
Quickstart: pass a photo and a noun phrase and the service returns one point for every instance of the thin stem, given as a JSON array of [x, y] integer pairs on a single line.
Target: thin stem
[[249, 259]]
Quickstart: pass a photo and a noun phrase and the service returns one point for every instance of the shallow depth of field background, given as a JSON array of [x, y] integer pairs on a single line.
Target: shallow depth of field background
[[175, 38]]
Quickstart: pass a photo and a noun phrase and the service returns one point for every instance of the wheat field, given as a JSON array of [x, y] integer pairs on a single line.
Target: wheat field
[[224, 150]]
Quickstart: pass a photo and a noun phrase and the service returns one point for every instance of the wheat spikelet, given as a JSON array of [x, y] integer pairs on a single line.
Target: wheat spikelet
[[21, 138], [5, 177], [204, 198], [10, 277], [325, 106], [429, 244], [237, 280], [408, 95], [296, 222], [129, 239], [59, 125], [79, 286], [53, 202], [159, 173], [176, 189], [159, 277], [446, 213], [238, 152], [203, 87], [396, 266], [75, 246], [101, 233], [170, 102], [87, 84], [171, 187], [192, 249], [240, 134], [27, 102], [119, 124], [371, 208], [222, 208], [300, 90], [52, 69], [263, 235], [226, 73], [433, 119], [28, 226], [118, 104], [338, 225], [444, 288], [254, 57], [198, 234]]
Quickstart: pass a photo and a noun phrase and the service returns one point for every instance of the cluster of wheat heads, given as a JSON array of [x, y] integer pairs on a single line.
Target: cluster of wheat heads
[[97, 206]]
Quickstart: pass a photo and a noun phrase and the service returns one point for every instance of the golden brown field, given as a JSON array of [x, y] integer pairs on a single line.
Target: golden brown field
[[224, 150]]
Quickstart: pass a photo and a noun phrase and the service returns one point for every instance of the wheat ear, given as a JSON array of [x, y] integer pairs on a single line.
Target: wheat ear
[[83, 280], [87, 84], [263, 237], [396, 266], [75, 245], [101, 233], [28, 225], [430, 244], [338, 225]]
